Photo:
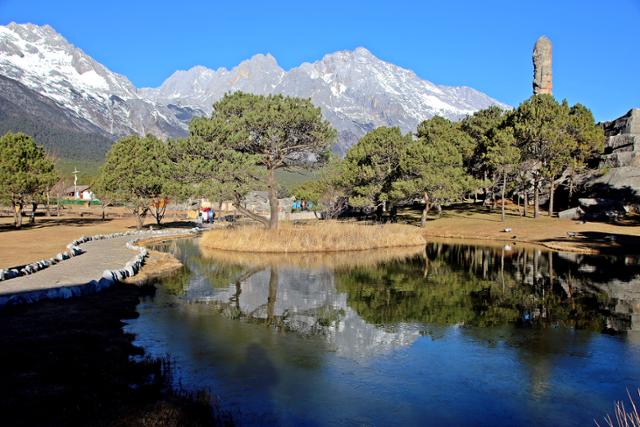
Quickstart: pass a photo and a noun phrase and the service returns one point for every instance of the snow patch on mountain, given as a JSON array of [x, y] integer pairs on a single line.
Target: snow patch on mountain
[[355, 90]]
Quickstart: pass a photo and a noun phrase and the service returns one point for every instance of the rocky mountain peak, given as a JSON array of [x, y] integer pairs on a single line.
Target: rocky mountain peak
[[355, 90]]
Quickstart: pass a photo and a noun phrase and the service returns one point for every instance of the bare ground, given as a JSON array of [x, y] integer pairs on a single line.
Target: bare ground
[[553, 233], [50, 235]]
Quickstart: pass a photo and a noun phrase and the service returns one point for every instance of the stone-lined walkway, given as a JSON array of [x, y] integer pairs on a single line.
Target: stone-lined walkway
[[100, 255]]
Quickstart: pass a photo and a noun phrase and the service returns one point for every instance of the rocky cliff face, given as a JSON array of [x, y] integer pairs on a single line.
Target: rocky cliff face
[[542, 75], [623, 140], [622, 155]]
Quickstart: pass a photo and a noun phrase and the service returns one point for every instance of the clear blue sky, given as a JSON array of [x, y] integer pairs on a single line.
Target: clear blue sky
[[484, 44]]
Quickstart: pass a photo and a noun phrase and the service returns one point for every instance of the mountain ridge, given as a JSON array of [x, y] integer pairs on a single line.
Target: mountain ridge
[[355, 90]]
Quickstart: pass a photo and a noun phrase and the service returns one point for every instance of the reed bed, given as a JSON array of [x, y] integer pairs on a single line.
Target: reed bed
[[326, 236], [313, 260]]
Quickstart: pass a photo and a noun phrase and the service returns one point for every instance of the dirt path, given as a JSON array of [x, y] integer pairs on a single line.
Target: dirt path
[[100, 255], [52, 235]]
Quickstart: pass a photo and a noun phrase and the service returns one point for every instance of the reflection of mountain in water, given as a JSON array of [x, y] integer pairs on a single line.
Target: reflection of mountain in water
[[373, 307], [304, 301]]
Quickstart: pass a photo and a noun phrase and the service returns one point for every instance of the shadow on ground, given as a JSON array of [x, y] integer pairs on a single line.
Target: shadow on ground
[[82, 222], [68, 362], [611, 242], [52, 222]]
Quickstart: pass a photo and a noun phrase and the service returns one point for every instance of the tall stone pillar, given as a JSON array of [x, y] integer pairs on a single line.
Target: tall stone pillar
[[542, 66]]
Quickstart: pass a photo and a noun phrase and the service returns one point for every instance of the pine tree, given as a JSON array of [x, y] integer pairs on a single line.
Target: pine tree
[[137, 173], [250, 137], [372, 165], [431, 167], [25, 172]]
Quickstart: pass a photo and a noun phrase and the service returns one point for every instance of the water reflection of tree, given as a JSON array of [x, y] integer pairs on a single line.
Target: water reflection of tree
[[475, 286], [176, 283]]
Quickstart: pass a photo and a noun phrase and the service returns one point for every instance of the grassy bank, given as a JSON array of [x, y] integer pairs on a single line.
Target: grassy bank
[[325, 236]]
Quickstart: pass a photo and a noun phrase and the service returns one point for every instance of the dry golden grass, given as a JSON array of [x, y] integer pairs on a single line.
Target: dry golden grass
[[157, 264], [311, 260], [325, 236], [474, 224], [624, 417]]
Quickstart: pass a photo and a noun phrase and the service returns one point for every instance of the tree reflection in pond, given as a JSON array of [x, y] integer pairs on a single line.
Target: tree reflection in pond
[[459, 284], [450, 333], [442, 284]]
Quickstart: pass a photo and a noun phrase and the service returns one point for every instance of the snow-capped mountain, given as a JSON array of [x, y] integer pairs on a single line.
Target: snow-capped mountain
[[355, 90], [42, 60]]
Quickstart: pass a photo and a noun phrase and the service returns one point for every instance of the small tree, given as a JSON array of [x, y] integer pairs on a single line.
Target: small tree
[[327, 192], [372, 166], [478, 127], [25, 172], [589, 139], [268, 132], [136, 173], [503, 156], [431, 167], [540, 127]]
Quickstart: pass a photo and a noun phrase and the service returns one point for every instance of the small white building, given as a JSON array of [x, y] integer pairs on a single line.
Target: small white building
[[79, 192]]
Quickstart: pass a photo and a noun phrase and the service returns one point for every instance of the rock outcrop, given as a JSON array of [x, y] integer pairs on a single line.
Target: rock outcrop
[[623, 141], [621, 161], [542, 76]]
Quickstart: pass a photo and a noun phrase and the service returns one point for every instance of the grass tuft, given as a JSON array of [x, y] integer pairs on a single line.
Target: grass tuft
[[624, 417], [326, 236], [311, 260]]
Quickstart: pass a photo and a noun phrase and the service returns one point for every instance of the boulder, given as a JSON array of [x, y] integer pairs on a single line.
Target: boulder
[[573, 213]]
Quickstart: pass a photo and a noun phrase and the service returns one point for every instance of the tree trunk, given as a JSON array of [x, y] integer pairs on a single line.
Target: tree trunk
[[273, 200], [140, 215], [526, 203], [536, 199], [17, 214], [159, 212], [485, 191], [244, 211], [32, 219], [425, 210], [551, 192], [273, 293], [47, 209], [571, 191], [504, 184]]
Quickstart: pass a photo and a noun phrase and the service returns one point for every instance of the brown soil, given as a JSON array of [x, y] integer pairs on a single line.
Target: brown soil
[[50, 235], [553, 233]]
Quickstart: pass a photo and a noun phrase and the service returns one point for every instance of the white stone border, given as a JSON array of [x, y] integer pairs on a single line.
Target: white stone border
[[109, 277]]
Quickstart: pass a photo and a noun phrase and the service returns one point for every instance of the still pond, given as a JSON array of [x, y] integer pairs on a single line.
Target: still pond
[[447, 334]]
